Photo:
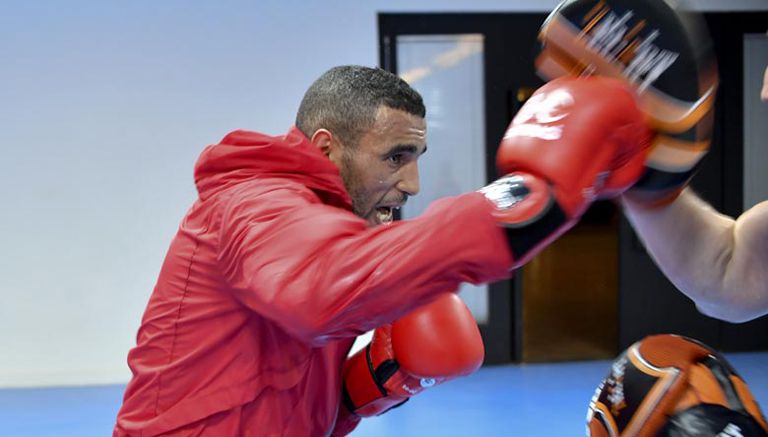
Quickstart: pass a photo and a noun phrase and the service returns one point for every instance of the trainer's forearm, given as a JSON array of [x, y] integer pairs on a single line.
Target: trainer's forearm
[[694, 246]]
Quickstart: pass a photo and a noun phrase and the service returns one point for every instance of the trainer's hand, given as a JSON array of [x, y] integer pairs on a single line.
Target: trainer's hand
[[667, 385], [575, 140], [665, 54]]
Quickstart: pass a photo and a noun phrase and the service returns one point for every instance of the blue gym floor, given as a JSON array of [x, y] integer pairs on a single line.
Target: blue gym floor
[[515, 400]]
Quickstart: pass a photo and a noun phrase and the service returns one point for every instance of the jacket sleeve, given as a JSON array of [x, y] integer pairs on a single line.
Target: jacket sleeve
[[321, 273]]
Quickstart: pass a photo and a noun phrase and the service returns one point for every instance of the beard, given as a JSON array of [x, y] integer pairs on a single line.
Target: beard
[[365, 203], [351, 180]]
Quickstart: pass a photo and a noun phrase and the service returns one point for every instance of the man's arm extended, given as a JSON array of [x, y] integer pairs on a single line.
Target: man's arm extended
[[719, 262]]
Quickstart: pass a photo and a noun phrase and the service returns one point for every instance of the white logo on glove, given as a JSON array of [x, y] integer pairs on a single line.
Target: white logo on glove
[[731, 431], [649, 61], [616, 385], [427, 382], [539, 111]]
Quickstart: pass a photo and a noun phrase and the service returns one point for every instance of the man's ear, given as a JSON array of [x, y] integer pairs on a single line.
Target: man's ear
[[328, 144]]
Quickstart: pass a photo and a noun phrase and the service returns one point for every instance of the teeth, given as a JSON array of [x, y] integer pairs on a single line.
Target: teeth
[[384, 215]]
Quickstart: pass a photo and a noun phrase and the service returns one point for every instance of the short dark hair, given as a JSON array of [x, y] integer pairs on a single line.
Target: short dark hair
[[345, 100]]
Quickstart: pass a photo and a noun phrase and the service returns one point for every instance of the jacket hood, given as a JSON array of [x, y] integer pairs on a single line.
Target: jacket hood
[[244, 155]]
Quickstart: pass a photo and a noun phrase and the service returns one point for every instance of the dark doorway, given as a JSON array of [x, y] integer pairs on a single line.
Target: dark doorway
[[547, 312]]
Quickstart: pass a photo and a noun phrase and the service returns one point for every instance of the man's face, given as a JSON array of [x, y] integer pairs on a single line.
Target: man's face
[[381, 171]]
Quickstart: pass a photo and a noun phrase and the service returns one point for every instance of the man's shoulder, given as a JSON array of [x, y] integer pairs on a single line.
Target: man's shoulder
[[264, 191]]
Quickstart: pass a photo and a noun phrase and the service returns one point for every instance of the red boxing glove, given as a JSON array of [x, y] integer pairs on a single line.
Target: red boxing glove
[[665, 53], [575, 140], [433, 344]]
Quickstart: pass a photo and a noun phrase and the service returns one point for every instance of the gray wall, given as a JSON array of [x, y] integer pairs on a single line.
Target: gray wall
[[755, 120], [104, 107]]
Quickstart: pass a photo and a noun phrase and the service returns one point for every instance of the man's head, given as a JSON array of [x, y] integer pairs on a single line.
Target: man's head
[[370, 123]]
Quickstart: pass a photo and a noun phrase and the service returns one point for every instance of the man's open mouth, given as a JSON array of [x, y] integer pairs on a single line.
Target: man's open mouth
[[385, 214]]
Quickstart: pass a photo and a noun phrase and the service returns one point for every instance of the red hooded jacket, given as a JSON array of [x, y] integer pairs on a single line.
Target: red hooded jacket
[[268, 281]]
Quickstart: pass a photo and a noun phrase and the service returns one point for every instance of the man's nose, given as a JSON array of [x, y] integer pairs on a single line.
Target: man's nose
[[409, 182]]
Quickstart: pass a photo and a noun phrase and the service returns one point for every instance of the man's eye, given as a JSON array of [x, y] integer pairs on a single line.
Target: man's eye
[[395, 159]]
